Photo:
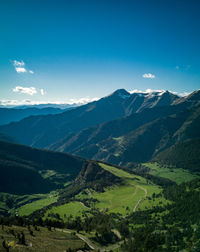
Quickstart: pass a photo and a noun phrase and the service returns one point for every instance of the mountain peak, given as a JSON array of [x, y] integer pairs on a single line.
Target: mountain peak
[[122, 93]]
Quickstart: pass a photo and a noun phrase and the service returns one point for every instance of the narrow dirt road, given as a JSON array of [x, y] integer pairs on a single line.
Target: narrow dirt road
[[86, 240], [140, 200]]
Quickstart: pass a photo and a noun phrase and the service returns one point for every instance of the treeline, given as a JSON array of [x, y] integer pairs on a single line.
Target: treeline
[[184, 155], [173, 227], [102, 223]]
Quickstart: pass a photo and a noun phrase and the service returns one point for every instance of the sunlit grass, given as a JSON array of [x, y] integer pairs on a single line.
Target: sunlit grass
[[177, 175]]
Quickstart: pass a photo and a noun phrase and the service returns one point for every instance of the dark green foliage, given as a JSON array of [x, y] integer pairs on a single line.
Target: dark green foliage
[[21, 169], [174, 230], [5, 246], [100, 222], [21, 238], [174, 227], [187, 201], [185, 155]]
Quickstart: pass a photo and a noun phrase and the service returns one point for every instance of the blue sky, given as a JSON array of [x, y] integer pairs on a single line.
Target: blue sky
[[84, 48]]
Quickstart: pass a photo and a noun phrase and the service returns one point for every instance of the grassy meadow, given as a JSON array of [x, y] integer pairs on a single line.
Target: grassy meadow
[[136, 193], [177, 175], [41, 240]]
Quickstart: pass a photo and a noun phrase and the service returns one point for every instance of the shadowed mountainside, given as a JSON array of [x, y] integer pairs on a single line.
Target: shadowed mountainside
[[25, 170], [43, 131]]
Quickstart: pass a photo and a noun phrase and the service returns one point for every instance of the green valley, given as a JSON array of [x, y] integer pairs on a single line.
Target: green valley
[[134, 188], [177, 175]]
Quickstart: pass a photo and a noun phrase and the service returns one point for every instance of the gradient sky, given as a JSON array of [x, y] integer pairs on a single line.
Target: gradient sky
[[89, 48]]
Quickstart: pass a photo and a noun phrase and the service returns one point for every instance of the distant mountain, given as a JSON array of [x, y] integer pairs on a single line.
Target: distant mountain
[[48, 105], [8, 115], [8, 139], [112, 129], [24, 170], [138, 137], [43, 131]]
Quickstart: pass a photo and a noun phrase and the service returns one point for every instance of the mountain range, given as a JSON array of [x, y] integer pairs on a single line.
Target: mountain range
[[56, 127], [8, 115], [124, 161], [121, 128]]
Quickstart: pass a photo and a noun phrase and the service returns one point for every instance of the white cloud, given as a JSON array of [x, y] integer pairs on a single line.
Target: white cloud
[[147, 91], [42, 92], [184, 94], [12, 103], [18, 63], [25, 90], [135, 91], [20, 69], [19, 66], [6, 102], [148, 76], [83, 100]]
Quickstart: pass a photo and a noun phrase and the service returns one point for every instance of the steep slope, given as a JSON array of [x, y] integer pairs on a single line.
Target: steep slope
[[91, 141], [25, 170], [145, 142], [140, 101], [139, 139], [93, 175], [183, 155], [189, 99], [116, 128], [42, 131], [8, 115]]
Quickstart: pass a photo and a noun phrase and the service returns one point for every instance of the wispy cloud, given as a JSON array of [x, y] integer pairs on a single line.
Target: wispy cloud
[[18, 63], [12, 103], [42, 92], [183, 67], [149, 76], [184, 94], [20, 67], [25, 90], [83, 100]]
